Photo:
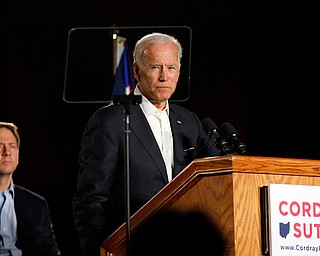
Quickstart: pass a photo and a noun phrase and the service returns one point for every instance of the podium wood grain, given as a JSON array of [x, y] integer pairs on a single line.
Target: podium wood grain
[[227, 190]]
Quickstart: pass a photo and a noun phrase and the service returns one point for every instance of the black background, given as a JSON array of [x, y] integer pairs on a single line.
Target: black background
[[271, 98]]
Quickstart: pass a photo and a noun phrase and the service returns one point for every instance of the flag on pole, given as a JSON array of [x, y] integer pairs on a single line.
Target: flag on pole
[[124, 79]]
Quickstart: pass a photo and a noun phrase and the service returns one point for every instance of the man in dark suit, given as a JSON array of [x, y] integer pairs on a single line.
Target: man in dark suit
[[164, 139], [25, 226]]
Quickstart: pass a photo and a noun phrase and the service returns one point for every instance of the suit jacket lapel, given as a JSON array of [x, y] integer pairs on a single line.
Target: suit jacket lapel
[[140, 127], [176, 125]]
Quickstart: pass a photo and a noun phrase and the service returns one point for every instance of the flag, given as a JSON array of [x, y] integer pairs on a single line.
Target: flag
[[124, 79]]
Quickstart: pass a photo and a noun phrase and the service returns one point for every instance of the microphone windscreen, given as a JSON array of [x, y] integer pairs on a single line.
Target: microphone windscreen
[[228, 129], [209, 125]]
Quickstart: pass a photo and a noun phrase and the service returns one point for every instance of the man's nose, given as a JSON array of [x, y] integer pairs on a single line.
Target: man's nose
[[4, 149], [163, 74]]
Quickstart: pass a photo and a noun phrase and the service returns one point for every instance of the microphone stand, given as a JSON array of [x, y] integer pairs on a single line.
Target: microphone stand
[[126, 101]]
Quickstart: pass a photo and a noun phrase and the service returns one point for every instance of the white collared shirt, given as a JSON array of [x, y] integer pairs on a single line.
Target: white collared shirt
[[150, 111]]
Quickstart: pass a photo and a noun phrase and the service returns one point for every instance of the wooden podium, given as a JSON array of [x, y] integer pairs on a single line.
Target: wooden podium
[[227, 189]]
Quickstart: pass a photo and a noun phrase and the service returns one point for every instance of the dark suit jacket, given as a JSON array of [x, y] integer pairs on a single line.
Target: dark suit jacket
[[34, 228], [100, 197]]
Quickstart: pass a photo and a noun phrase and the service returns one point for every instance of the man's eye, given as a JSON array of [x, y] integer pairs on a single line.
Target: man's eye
[[13, 145]]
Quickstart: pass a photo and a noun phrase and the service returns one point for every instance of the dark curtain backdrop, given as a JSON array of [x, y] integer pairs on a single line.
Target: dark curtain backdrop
[[275, 113]]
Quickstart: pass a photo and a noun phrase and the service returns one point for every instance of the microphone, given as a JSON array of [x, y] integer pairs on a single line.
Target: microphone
[[234, 139], [212, 130]]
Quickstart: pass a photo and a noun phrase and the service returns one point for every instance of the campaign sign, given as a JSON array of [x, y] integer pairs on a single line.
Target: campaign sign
[[294, 217]]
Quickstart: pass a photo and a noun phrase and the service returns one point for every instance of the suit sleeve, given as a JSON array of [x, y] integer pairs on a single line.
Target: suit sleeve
[[36, 236], [98, 160]]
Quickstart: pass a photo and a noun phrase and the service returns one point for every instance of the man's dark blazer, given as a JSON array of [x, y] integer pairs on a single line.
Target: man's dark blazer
[[34, 227], [98, 204]]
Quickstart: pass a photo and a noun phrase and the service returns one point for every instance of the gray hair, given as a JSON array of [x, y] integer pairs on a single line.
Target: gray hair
[[153, 38]]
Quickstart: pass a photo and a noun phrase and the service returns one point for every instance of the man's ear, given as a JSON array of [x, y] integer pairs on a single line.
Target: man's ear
[[136, 72]]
